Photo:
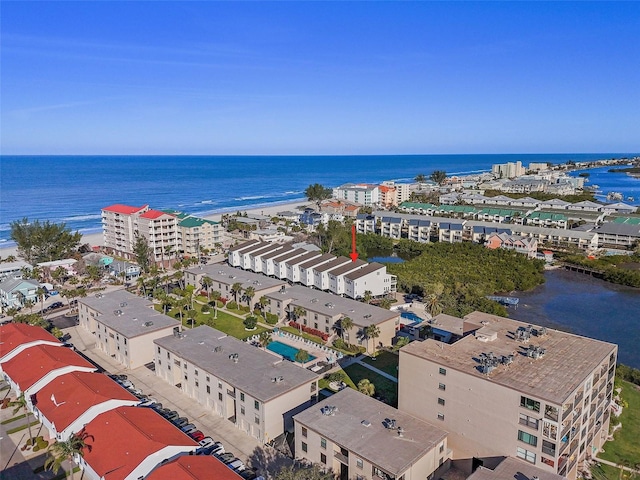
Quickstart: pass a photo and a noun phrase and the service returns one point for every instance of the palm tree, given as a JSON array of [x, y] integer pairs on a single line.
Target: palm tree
[[365, 386], [236, 289], [142, 286], [438, 176], [420, 178], [191, 317], [206, 283], [385, 303], [372, 331], [181, 303], [302, 356], [263, 302], [298, 312], [62, 451], [41, 292], [249, 293], [367, 296], [18, 404], [433, 305], [264, 339], [346, 324]]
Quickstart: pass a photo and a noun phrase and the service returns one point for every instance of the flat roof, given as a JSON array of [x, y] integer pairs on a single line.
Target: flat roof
[[331, 305], [325, 257], [128, 314], [254, 371], [513, 468], [366, 270], [374, 442], [223, 273], [332, 264], [567, 362], [67, 397]]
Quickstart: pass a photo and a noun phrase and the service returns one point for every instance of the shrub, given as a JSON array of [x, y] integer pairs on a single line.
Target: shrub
[[271, 318], [250, 322], [224, 300], [232, 305], [206, 308], [312, 331], [335, 377], [244, 308]]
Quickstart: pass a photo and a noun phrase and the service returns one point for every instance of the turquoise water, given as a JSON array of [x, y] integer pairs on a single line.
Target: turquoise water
[[286, 351], [411, 316]]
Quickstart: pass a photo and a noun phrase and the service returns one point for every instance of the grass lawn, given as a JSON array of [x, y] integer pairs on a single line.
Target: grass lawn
[[384, 387], [304, 335], [13, 419], [324, 383], [385, 361], [626, 447]]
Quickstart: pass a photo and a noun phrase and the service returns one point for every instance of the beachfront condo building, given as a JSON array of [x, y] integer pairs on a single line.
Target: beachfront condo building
[[124, 325], [121, 224], [324, 311], [197, 234], [508, 170], [254, 389], [361, 193], [505, 388], [358, 437]]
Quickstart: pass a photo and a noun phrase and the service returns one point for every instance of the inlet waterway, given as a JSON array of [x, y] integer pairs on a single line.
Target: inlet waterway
[[580, 304]]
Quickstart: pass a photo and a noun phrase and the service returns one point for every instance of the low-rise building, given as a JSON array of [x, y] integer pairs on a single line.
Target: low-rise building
[[193, 467], [294, 265], [307, 269], [17, 337], [450, 232], [16, 292], [525, 245], [372, 278], [321, 272], [356, 436], [124, 325], [419, 230], [256, 390], [512, 468], [13, 270]]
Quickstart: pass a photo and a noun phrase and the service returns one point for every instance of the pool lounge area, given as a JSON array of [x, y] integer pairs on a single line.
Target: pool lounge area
[[286, 351]]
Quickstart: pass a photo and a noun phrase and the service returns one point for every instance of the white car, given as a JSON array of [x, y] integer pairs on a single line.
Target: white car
[[206, 442]]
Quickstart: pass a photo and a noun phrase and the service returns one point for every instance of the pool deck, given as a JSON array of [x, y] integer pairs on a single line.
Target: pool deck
[[417, 308]]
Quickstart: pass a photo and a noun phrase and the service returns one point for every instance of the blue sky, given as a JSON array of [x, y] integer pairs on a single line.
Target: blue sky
[[319, 77]]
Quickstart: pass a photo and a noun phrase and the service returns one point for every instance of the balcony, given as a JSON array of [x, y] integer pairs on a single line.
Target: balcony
[[231, 393], [341, 458]]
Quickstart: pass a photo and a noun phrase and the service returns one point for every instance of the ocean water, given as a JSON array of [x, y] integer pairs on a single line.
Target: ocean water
[[73, 189], [607, 182]]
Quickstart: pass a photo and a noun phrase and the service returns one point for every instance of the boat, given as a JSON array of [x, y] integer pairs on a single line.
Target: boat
[[631, 199], [615, 196]]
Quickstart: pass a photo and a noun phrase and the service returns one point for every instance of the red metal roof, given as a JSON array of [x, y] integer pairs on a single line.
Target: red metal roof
[[124, 209], [197, 467], [67, 397], [29, 366], [153, 214], [12, 335], [122, 438]]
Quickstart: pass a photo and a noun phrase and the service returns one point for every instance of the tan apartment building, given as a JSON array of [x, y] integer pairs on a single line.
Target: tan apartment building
[[511, 389], [124, 325], [323, 311], [255, 389], [196, 234], [361, 438]]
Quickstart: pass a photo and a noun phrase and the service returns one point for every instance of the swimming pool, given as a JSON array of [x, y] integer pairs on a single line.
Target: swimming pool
[[412, 316], [286, 351]]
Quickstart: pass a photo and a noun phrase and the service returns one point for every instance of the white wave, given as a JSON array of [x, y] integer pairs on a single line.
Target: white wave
[[79, 218], [257, 197], [207, 202]]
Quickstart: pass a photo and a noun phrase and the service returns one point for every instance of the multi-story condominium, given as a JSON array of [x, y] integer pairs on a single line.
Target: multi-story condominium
[[281, 268], [618, 233], [525, 245], [198, 233], [71, 401], [321, 273], [365, 223], [225, 277], [538, 166], [558, 236], [512, 468], [124, 325], [236, 252], [450, 232], [323, 311], [372, 278], [308, 268], [294, 266], [388, 197], [419, 230], [540, 395], [508, 170], [363, 193], [255, 389], [391, 227], [15, 292], [361, 438], [121, 224], [337, 275]]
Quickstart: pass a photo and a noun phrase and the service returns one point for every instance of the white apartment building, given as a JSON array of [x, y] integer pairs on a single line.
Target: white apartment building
[[254, 389], [337, 275], [124, 325], [365, 223], [321, 273], [293, 266], [538, 394], [362, 193], [307, 269], [508, 170], [361, 438], [371, 278]]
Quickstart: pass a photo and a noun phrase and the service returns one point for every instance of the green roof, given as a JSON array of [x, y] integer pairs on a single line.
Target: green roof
[[548, 216], [627, 220], [423, 206], [504, 212], [456, 208], [191, 222], [176, 213]]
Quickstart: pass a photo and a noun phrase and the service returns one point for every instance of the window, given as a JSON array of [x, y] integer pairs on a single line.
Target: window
[[440, 416], [208, 378], [220, 396], [219, 384], [530, 404], [323, 442], [442, 386], [241, 397], [158, 349], [528, 421], [440, 401], [186, 377], [304, 446], [526, 455], [441, 449], [197, 384], [168, 355], [527, 438], [208, 389], [359, 463], [256, 419], [304, 432], [242, 409], [442, 371], [549, 448], [549, 430], [195, 372], [323, 458], [256, 404]]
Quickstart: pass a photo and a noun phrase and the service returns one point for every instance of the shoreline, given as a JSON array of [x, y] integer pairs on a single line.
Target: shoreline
[[95, 238]]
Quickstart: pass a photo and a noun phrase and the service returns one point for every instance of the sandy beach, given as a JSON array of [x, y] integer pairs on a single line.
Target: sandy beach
[[94, 239]]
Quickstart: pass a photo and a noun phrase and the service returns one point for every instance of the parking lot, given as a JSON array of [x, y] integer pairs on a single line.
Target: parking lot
[[264, 459]]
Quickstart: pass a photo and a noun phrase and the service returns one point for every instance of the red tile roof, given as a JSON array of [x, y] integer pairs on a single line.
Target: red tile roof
[[29, 366], [153, 214], [197, 467], [122, 438], [124, 209], [12, 335], [67, 397]]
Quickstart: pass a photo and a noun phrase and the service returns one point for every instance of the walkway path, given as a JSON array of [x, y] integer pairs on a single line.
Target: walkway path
[[376, 370], [611, 464]]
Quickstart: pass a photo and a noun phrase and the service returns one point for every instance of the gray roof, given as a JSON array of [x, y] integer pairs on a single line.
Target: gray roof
[[331, 305], [304, 258], [341, 270], [254, 371], [415, 222], [619, 229], [290, 254], [318, 260], [377, 444], [332, 264], [244, 245], [451, 226], [512, 469], [227, 275], [391, 219], [268, 251], [372, 267], [568, 360], [11, 284], [137, 318]]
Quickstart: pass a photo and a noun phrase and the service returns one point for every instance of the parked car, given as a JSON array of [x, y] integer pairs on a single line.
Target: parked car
[[189, 428], [172, 415], [197, 435], [126, 384], [138, 393], [226, 457], [206, 442], [55, 305], [248, 474], [218, 450], [148, 402], [237, 465], [181, 421]]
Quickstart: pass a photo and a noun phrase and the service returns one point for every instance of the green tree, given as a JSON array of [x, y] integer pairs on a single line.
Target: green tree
[[371, 332], [264, 339], [385, 303], [18, 404], [249, 293], [250, 322], [302, 356], [41, 293], [438, 176], [317, 193], [303, 472], [263, 302], [299, 312], [420, 178], [191, 317], [236, 289], [142, 251], [365, 386], [43, 241], [346, 324], [68, 450], [207, 283], [433, 305], [367, 296]]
